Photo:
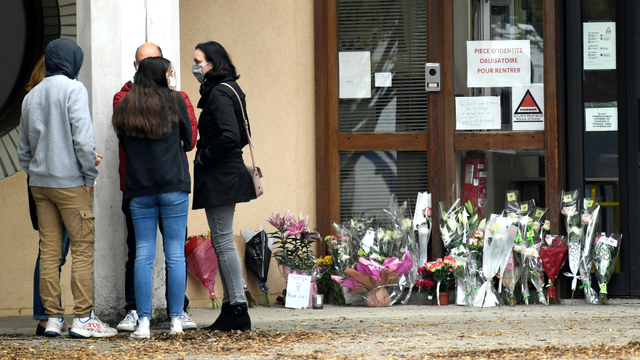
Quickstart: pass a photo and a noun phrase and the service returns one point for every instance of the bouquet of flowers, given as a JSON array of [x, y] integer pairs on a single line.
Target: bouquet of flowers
[[553, 254], [469, 254], [451, 231], [496, 242], [294, 241], [523, 220], [326, 284], [340, 253], [426, 284], [422, 226], [509, 271], [574, 234], [372, 278], [383, 261], [589, 219], [512, 274], [442, 271], [202, 263], [606, 250]]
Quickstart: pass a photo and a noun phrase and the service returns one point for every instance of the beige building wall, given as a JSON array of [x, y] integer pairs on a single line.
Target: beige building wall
[[271, 44]]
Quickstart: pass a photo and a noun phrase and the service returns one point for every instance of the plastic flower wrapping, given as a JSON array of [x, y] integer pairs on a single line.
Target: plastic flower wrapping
[[570, 211], [589, 220], [553, 254], [383, 265], [498, 243], [422, 226], [606, 250], [202, 263]]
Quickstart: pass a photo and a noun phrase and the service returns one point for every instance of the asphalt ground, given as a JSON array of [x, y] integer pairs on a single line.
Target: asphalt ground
[[348, 332]]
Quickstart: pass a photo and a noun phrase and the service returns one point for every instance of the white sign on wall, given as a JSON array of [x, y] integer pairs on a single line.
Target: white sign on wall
[[478, 113], [527, 106], [599, 45], [354, 74], [503, 63], [601, 119], [298, 288]]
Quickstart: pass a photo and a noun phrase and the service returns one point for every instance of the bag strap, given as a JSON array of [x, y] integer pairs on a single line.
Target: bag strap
[[246, 124]]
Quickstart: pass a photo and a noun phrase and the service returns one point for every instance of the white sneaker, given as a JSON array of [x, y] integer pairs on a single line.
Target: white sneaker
[[176, 324], [143, 331], [55, 327], [92, 327], [187, 323], [129, 322]]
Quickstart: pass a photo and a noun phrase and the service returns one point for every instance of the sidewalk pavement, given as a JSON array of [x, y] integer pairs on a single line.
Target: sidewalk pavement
[[401, 331]]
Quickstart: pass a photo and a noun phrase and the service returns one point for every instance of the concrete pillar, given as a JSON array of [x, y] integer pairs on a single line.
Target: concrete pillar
[[109, 32]]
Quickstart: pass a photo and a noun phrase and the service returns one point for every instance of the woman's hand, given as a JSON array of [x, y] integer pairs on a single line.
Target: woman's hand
[[98, 159]]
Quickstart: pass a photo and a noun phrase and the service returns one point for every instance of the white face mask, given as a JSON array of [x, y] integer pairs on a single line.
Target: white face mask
[[173, 82]]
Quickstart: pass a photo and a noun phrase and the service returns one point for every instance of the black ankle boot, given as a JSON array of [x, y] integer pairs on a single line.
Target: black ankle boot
[[237, 319], [224, 313]]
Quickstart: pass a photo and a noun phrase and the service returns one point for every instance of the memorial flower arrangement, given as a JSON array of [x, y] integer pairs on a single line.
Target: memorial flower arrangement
[[426, 284], [574, 234], [294, 241], [442, 270], [589, 220], [606, 251], [553, 254]]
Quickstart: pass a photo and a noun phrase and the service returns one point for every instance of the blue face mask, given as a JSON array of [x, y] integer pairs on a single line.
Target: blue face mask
[[78, 74]]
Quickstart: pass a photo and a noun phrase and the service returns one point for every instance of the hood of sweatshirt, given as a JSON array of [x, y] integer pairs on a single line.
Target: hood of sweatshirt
[[63, 57]]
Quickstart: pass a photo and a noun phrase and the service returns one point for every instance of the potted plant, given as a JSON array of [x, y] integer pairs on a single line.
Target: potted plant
[[442, 270]]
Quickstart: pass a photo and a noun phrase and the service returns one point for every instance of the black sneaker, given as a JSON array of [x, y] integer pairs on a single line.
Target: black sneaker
[[40, 330]]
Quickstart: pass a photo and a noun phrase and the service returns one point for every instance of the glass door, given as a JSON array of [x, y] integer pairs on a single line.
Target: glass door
[[602, 135]]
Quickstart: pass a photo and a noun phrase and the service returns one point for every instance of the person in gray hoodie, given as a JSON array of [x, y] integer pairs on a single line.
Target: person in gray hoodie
[[57, 150]]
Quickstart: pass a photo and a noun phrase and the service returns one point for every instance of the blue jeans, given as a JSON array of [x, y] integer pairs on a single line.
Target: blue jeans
[[173, 208], [129, 287], [38, 308]]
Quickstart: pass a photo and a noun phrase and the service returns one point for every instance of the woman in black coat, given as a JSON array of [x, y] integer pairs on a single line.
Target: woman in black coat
[[221, 178]]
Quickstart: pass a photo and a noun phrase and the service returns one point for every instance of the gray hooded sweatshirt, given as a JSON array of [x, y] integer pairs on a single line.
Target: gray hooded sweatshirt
[[57, 147]]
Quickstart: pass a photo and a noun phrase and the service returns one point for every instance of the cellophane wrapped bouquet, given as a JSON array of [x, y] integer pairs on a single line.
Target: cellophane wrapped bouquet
[[589, 220], [570, 210], [498, 242], [606, 250], [553, 254], [384, 266], [469, 255]]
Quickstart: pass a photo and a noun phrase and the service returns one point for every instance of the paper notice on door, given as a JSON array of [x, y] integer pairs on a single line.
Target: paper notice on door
[[601, 119], [354, 74], [478, 113], [383, 79], [599, 45]]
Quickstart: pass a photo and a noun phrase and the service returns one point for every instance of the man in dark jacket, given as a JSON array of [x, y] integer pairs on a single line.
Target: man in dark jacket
[[130, 321]]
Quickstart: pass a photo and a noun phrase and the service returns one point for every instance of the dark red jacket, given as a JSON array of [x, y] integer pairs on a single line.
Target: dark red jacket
[[192, 116]]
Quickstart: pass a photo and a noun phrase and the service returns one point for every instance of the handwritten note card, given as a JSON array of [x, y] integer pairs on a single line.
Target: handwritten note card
[[298, 288], [478, 113]]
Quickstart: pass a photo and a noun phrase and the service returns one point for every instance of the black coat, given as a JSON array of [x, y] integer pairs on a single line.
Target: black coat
[[222, 178]]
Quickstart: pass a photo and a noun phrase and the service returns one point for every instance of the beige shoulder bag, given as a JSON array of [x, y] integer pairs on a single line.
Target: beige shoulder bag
[[256, 173]]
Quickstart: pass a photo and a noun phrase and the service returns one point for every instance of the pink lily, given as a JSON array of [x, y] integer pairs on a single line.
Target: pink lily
[[277, 221], [296, 228]]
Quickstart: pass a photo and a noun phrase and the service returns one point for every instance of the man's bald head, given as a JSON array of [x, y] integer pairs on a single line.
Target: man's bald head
[[147, 50]]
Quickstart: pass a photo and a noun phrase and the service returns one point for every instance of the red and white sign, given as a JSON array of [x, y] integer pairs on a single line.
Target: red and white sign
[[503, 63], [527, 106]]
